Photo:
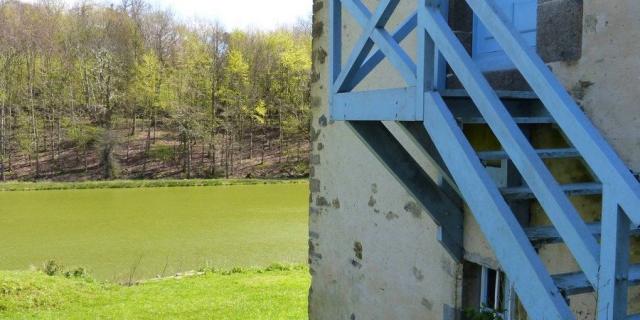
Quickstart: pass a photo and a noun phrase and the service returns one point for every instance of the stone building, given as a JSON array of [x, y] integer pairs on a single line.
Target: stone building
[[407, 223]]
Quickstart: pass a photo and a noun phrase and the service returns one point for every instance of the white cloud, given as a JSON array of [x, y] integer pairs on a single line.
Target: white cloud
[[242, 14]]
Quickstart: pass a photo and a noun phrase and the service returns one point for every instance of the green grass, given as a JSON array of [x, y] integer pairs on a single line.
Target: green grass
[[140, 233], [276, 293], [119, 184]]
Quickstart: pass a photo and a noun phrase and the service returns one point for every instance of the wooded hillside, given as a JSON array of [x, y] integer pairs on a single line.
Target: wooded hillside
[[129, 91]]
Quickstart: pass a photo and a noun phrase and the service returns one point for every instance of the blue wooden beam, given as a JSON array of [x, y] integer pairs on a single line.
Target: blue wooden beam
[[386, 42], [415, 131], [364, 45], [562, 153], [549, 234], [401, 33], [575, 283], [431, 65], [600, 156], [380, 105], [399, 104], [445, 213], [534, 286], [396, 56], [335, 47], [335, 41], [613, 279], [559, 209], [426, 56]]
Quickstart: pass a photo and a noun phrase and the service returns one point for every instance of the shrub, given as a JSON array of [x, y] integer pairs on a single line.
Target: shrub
[[52, 268], [78, 272]]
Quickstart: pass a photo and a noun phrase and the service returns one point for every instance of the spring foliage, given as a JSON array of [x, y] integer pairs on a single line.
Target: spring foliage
[[87, 78]]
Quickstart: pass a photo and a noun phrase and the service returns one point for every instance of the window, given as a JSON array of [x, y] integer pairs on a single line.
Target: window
[[492, 290], [486, 291], [486, 50]]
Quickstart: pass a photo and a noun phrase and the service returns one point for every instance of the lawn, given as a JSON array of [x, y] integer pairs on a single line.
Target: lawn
[[276, 293], [120, 234]]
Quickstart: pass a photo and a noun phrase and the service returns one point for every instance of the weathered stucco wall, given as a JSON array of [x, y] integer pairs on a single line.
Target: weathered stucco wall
[[373, 252], [604, 80], [373, 255]]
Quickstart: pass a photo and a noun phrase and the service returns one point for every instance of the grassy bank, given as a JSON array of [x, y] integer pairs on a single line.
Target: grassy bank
[[272, 293], [129, 184]]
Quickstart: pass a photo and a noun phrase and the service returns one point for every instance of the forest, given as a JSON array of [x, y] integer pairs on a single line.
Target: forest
[[130, 91]]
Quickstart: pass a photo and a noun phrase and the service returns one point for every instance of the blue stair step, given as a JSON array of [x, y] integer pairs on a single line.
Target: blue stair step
[[575, 189], [524, 107], [634, 317], [519, 120], [503, 94], [549, 234], [576, 283], [543, 153]]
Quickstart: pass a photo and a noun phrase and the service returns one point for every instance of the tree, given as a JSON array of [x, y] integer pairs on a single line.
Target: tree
[[216, 40], [233, 96], [77, 83]]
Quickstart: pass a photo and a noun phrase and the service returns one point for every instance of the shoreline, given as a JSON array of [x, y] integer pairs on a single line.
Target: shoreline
[[132, 184]]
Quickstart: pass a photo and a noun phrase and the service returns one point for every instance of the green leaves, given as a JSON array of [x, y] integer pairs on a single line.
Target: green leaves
[[260, 112], [68, 76]]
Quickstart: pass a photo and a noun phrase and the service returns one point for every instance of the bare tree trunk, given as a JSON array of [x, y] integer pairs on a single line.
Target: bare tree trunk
[[12, 124], [155, 124], [133, 124], [264, 143], [240, 139], [59, 134], [131, 134], [251, 142], [203, 155], [35, 136], [232, 148], [212, 150], [34, 124], [3, 137], [52, 144], [226, 155], [281, 134], [189, 158], [128, 148], [147, 148]]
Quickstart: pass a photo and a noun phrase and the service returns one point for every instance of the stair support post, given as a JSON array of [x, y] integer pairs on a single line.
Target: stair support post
[[431, 66], [613, 278]]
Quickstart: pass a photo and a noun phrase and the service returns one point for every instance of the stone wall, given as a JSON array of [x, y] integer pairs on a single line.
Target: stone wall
[[372, 254]]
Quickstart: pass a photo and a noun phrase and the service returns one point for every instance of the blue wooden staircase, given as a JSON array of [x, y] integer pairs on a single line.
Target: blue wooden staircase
[[435, 117]]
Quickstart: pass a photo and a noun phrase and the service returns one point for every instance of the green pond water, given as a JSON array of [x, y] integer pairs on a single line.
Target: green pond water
[[116, 233]]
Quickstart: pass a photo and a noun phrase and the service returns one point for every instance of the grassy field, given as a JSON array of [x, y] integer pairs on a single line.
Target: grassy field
[[254, 294], [120, 234]]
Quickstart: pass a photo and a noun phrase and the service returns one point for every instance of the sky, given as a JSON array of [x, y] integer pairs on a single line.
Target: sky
[[236, 14], [242, 14]]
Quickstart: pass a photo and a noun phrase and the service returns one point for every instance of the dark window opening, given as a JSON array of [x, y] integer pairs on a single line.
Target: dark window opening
[[485, 291]]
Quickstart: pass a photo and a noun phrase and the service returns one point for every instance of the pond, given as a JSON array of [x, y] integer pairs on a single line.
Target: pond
[[119, 234]]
